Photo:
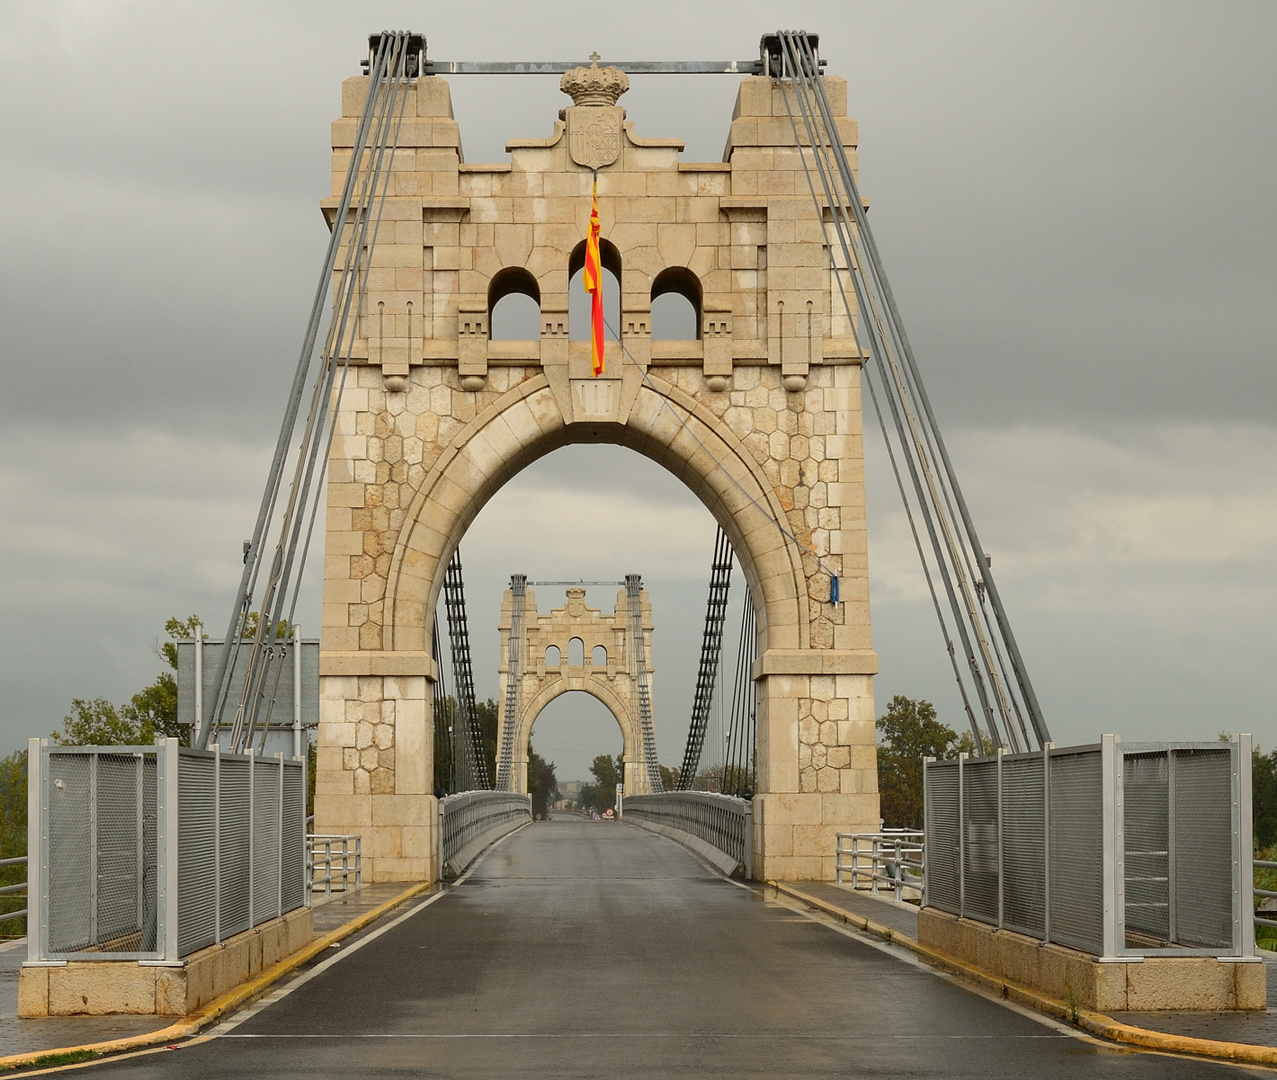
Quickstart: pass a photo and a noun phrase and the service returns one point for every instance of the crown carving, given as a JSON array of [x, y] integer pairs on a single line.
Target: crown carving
[[594, 85]]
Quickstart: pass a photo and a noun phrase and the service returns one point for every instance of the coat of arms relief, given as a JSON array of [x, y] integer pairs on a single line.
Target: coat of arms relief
[[594, 124]]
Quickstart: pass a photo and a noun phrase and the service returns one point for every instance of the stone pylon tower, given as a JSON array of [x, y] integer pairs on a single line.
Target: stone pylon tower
[[759, 413], [577, 647]]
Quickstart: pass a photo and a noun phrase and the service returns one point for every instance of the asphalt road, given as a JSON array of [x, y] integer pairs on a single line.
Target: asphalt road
[[583, 949]]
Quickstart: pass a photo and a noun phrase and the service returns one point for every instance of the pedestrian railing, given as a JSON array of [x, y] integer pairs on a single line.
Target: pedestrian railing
[[471, 820], [12, 889], [722, 821], [892, 858], [333, 864], [1265, 917]]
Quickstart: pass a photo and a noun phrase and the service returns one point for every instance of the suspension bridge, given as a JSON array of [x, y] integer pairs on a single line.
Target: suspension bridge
[[570, 948]]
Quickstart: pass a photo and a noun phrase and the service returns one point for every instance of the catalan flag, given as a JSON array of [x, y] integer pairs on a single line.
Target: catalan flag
[[592, 279]]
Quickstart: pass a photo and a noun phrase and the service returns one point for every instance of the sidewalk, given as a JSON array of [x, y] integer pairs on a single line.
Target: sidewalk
[[1232, 1035], [49, 1033]]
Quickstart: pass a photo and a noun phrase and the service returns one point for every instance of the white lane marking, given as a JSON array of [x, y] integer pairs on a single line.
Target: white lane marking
[[769, 1036], [224, 1028]]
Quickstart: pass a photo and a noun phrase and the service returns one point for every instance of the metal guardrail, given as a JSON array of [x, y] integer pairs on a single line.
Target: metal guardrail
[[10, 890], [470, 816], [893, 857], [1261, 919], [722, 821], [345, 852]]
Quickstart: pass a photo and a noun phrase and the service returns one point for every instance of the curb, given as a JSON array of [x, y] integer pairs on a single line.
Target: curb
[[193, 1023], [1094, 1023]]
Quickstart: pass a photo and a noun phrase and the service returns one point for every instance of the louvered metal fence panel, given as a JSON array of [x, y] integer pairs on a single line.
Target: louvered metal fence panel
[[980, 847], [294, 838], [69, 896], [1146, 837], [1023, 845], [1077, 862], [1203, 846], [235, 873], [265, 839], [196, 852], [943, 829]]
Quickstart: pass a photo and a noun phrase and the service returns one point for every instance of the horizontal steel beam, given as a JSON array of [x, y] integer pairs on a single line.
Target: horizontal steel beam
[[559, 67]]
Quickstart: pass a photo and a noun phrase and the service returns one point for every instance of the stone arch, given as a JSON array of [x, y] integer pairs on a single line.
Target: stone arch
[[676, 281], [664, 424], [598, 656], [555, 660], [576, 652], [631, 739]]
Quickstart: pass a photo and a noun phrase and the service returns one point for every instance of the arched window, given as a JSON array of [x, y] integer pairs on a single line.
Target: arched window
[[579, 300], [599, 657], [552, 657], [676, 305], [576, 652], [514, 305]]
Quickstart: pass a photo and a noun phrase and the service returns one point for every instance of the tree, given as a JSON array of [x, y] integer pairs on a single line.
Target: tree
[[149, 713], [608, 772], [669, 777], [1263, 779], [13, 835], [908, 732], [543, 785]]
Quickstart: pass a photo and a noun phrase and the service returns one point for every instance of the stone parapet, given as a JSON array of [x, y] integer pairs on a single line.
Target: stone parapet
[[100, 988], [1077, 978]]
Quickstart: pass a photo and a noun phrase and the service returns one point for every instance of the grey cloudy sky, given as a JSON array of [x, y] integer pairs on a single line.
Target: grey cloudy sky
[[1076, 203]]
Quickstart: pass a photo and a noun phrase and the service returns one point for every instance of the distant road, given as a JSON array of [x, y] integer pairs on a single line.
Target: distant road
[[596, 950]]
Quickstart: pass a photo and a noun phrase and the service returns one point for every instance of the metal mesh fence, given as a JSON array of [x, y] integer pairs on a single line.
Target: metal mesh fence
[[980, 840], [943, 827], [1042, 840], [1077, 854], [69, 893], [234, 841], [293, 884], [103, 849], [266, 823], [1024, 845], [196, 852], [1146, 835], [1203, 848]]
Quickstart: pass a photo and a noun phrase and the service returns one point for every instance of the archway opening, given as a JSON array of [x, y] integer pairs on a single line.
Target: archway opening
[[514, 305], [578, 733], [676, 305], [553, 522], [579, 299]]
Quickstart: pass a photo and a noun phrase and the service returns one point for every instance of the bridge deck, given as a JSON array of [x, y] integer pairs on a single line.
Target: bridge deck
[[592, 950]]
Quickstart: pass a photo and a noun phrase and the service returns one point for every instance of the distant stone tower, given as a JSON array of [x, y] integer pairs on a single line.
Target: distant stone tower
[[759, 414]]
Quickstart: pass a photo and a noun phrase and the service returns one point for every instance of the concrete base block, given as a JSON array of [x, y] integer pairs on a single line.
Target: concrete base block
[[1155, 982], [98, 988]]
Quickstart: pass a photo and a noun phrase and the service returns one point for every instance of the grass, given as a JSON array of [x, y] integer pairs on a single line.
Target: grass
[[69, 1057]]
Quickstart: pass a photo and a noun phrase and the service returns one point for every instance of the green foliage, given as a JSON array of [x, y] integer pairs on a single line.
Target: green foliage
[[1263, 780], [543, 785], [13, 836], [669, 777], [312, 760], [97, 723], [908, 732], [608, 772]]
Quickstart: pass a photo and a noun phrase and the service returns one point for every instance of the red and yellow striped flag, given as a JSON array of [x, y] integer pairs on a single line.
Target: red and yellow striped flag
[[592, 279]]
